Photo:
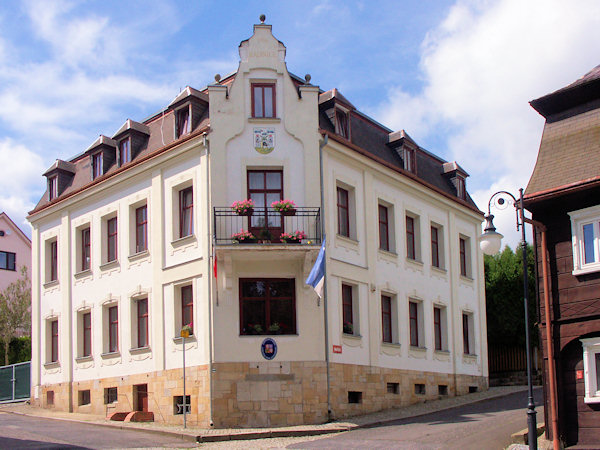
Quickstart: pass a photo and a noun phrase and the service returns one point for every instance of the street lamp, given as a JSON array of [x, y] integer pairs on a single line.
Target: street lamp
[[185, 332], [489, 243]]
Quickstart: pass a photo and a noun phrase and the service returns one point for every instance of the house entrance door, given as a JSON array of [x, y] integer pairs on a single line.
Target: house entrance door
[[141, 397], [265, 187]]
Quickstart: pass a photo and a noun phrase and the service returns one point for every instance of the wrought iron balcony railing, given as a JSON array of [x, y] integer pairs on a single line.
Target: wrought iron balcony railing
[[266, 225]]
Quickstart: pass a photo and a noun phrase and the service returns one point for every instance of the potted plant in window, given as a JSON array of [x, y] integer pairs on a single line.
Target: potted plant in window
[[243, 237], [265, 236], [275, 328], [285, 207], [348, 328], [254, 329], [293, 238], [243, 207], [187, 330]]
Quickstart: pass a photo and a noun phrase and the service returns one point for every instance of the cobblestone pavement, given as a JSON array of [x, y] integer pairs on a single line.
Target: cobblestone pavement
[[285, 435]]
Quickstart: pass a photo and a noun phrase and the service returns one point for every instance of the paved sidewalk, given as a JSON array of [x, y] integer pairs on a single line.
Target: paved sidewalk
[[196, 434]]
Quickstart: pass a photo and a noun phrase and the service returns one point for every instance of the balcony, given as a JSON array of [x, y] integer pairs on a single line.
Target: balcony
[[266, 226]]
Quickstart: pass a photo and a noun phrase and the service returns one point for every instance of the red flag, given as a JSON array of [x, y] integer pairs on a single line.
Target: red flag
[[215, 263]]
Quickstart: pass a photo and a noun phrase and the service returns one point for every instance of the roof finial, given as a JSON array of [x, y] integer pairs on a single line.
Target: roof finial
[[262, 18], [218, 77], [307, 78]]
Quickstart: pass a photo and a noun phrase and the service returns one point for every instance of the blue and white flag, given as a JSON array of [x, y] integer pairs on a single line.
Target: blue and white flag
[[317, 275]]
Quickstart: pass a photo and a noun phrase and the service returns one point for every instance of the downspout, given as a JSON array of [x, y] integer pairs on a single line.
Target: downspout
[[322, 144], [551, 373], [210, 247]]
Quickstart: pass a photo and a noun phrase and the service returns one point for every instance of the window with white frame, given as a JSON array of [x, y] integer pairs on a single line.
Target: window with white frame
[[83, 248], [184, 308], [389, 319], [346, 210], [440, 328], [468, 333], [585, 232], [464, 252], [415, 324], [84, 334], [350, 310], [52, 340], [183, 210], [138, 227], [51, 258], [140, 322], [438, 258], [413, 236], [110, 327], [110, 238], [385, 218], [591, 369]]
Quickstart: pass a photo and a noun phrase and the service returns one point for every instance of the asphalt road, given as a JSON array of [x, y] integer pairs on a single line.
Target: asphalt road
[[479, 426], [17, 432]]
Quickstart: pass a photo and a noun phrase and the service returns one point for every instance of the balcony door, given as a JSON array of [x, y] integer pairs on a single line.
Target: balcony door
[[265, 187]]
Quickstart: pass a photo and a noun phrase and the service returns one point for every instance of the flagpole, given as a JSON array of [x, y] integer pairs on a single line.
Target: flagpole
[[322, 144]]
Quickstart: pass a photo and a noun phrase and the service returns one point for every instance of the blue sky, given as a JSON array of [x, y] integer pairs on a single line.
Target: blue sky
[[457, 76]]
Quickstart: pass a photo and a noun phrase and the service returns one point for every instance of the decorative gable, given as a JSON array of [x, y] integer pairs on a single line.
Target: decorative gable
[[131, 139], [59, 176]]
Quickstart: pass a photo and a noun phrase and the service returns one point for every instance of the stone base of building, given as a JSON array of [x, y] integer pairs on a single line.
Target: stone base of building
[[262, 394]]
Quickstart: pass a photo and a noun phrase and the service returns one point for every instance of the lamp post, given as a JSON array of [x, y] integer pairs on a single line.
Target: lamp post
[[489, 243], [185, 332]]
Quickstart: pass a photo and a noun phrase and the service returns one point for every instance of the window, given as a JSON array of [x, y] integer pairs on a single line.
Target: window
[[52, 260], [54, 341], [97, 165], [125, 151], [349, 325], [410, 160], [384, 240], [113, 329], [84, 397], [52, 187], [265, 187], [49, 398], [393, 388], [415, 315], [110, 395], [442, 389], [186, 212], [8, 261], [178, 404], [267, 306], [464, 248], [435, 248], [183, 124], [343, 212], [341, 123], [85, 249], [420, 389], [142, 323], [461, 191], [440, 328], [354, 397], [591, 369], [467, 328], [187, 307], [386, 318], [141, 229], [86, 319], [111, 239], [585, 230], [412, 243], [263, 100]]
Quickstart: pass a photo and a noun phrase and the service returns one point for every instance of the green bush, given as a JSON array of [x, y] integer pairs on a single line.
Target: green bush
[[19, 350]]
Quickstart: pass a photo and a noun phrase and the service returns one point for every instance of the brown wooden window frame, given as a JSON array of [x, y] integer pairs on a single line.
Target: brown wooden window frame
[[186, 211], [342, 123], [53, 187], [267, 299], [462, 244], [384, 234], [466, 333], [187, 307], [54, 260], [86, 253], [347, 307], [386, 319], [54, 341], [413, 314], [97, 169], [86, 325], [124, 151], [112, 237], [410, 160], [435, 246], [141, 229], [183, 119], [437, 328], [343, 210], [411, 252], [113, 324], [143, 318], [262, 87]]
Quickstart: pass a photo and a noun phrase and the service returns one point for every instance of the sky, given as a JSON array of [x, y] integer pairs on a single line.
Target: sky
[[456, 75]]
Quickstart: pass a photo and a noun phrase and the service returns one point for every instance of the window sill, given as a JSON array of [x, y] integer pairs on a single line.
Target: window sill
[[83, 274], [266, 335], [347, 239], [439, 270], [190, 338], [109, 265], [388, 254], [264, 119], [52, 365], [442, 352], [81, 359], [138, 255], [391, 344], [418, 349], [183, 241], [591, 399], [414, 262], [50, 284], [139, 350], [591, 268], [466, 278], [110, 355], [469, 355]]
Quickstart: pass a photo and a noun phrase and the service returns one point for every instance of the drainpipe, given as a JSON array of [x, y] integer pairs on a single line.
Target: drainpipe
[[210, 242], [322, 144]]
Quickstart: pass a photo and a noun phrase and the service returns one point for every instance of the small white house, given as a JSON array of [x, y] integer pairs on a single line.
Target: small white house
[[135, 238]]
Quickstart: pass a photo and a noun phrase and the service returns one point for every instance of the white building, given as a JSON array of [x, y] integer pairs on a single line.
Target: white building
[[124, 244]]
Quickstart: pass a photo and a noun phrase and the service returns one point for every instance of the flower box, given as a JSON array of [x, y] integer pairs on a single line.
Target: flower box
[[289, 212], [244, 237], [243, 207], [293, 238], [285, 207]]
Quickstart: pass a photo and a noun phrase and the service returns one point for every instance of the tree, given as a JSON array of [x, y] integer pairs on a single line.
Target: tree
[[15, 302], [504, 296]]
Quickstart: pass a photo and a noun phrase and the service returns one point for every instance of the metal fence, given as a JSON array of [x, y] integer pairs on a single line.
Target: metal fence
[[267, 224], [15, 382]]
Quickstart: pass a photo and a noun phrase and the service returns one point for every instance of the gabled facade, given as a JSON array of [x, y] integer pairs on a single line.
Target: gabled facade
[[148, 246], [15, 251], [564, 195]]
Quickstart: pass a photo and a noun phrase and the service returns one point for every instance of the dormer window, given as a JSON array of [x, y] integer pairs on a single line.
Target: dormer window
[[461, 191], [341, 123], [263, 100], [52, 187], [410, 160], [182, 121], [96, 165], [124, 151]]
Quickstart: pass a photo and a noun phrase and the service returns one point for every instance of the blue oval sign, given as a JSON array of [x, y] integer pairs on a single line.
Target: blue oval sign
[[268, 348]]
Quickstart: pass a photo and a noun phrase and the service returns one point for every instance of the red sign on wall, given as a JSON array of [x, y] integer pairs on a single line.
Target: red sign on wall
[[579, 374], [337, 349]]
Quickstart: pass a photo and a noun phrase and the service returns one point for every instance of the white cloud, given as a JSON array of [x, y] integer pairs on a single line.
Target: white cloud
[[481, 66]]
